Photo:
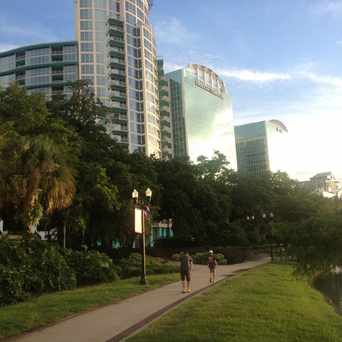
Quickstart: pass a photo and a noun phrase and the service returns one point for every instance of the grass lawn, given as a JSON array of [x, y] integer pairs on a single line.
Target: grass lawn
[[264, 305], [40, 311]]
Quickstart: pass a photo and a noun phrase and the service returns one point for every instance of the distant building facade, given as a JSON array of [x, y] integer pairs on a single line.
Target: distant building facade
[[324, 183], [45, 68], [165, 113], [202, 116], [261, 147]]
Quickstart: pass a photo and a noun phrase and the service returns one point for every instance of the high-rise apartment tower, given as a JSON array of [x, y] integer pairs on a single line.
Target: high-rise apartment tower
[[117, 56]]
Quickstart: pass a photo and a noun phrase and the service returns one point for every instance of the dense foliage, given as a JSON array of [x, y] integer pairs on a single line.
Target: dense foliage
[[59, 169], [202, 258], [131, 266], [32, 267]]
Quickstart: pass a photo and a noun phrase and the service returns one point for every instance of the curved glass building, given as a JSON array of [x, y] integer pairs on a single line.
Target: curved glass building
[[117, 56], [202, 114], [44, 68]]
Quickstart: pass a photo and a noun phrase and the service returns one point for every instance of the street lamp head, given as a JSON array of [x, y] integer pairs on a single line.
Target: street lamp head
[[247, 218], [264, 215], [253, 217], [148, 193], [135, 194], [271, 215]]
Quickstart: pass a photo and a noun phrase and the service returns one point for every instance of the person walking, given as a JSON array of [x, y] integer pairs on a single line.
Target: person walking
[[185, 271], [212, 263]]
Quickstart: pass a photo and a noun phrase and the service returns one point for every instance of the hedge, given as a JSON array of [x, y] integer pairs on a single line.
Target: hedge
[[32, 267]]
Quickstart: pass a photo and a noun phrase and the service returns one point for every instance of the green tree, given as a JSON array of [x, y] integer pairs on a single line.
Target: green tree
[[36, 172]]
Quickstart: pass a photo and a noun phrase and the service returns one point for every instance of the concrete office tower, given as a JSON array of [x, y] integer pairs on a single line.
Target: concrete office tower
[[262, 147], [117, 57], [45, 68], [201, 113], [165, 113]]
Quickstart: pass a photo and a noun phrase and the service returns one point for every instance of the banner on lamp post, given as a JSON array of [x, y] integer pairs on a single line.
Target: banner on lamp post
[[138, 225]]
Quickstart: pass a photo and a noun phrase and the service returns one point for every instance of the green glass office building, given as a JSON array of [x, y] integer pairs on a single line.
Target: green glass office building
[[202, 114], [44, 68], [262, 147]]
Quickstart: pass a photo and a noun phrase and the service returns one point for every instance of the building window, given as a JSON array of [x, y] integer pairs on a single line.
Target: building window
[[101, 4], [86, 25], [87, 69], [85, 14], [86, 36], [130, 7], [86, 47], [87, 58], [85, 3]]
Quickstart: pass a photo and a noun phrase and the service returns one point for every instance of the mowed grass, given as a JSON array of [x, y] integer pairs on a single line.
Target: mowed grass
[[267, 304], [50, 308]]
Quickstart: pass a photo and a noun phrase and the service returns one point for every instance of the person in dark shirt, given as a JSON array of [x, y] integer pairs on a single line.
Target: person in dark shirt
[[185, 271], [212, 263]]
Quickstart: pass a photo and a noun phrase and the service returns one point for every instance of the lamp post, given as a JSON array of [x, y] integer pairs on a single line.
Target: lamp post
[[144, 210], [268, 218]]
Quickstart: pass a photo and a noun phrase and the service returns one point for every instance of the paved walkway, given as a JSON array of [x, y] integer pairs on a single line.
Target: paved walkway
[[113, 322]]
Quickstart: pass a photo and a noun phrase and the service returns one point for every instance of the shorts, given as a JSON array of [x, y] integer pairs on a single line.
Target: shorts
[[212, 269], [185, 275]]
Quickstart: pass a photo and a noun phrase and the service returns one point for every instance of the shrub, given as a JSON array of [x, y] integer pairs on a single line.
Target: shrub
[[131, 266], [202, 258], [12, 286], [33, 267], [235, 255], [54, 271], [45, 267], [91, 267], [175, 242], [10, 253], [175, 257]]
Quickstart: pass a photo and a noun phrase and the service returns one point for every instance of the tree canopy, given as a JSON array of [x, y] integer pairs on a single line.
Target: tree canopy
[[61, 169]]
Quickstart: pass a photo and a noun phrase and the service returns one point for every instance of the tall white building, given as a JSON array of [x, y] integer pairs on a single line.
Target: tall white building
[[117, 56]]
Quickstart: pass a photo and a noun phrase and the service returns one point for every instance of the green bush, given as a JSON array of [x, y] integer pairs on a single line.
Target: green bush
[[10, 253], [32, 267], [91, 267], [175, 257], [45, 267], [12, 286], [202, 258], [55, 272], [131, 266]]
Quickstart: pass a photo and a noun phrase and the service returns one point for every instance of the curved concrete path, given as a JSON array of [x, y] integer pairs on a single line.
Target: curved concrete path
[[114, 322]]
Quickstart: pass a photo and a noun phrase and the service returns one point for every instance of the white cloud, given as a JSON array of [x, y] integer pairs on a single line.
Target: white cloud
[[328, 7], [256, 76], [6, 47], [172, 66], [253, 75], [322, 79], [172, 31]]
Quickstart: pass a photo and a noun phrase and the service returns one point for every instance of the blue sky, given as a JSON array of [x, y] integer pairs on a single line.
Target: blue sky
[[280, 59]]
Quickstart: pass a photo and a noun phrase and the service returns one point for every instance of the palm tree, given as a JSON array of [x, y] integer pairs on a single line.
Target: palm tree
[[38, 180]]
